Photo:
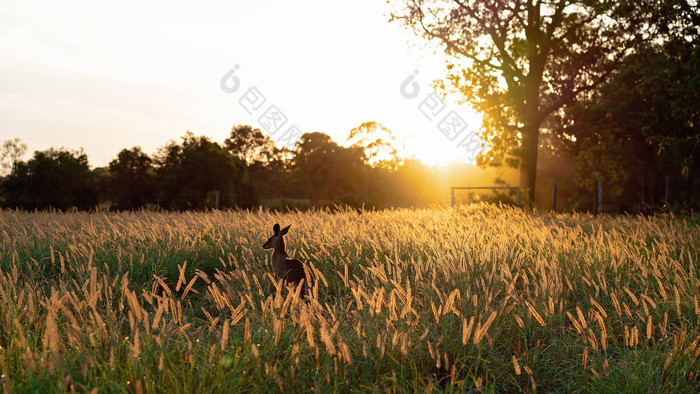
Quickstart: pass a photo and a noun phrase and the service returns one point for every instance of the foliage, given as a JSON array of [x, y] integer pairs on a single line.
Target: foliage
[[189, 173], [326, 170], [250, 145], [642, 126], [474, 298], [54, 178], [268, 165], [132, 183]]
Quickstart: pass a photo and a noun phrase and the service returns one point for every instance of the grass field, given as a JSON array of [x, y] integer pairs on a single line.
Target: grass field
[[471, 298]]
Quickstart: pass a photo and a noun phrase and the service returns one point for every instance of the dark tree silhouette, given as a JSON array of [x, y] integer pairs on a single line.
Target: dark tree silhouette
[[250, 145], [267, 165], [325, 170], [131, 179], [190, 173], [54, 178]]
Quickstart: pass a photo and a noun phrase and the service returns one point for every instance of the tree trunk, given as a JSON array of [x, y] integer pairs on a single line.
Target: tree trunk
[[531, 128], [528, 161]]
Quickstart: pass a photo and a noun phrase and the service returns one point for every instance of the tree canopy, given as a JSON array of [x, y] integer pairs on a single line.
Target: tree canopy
[[327, 170], [642, 126], [55, 178], [378, 143], [131, 179], [193, 171], [250, 145]]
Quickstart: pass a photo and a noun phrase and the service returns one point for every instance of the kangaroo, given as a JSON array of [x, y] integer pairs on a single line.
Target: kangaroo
[[290, 270]]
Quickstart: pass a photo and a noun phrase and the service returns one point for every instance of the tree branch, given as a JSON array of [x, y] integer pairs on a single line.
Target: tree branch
[[569, 95], [454, 47]]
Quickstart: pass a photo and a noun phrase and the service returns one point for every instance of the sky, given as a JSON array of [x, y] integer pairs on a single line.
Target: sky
[[104, 76]]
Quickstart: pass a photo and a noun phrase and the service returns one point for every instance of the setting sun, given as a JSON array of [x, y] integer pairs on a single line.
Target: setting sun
[[434, 147]]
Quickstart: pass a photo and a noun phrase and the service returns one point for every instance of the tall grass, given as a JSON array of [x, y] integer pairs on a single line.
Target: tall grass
[[474, 298]]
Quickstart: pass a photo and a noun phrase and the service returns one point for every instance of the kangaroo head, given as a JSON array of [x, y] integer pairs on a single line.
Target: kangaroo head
[[276, 241]]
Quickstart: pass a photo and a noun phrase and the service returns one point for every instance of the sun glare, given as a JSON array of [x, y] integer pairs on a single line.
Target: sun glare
[[436, 147]]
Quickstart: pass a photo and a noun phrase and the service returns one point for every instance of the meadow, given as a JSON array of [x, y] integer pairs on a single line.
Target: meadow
[[472, 298]]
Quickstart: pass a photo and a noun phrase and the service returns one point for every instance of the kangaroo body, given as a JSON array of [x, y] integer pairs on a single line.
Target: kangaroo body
[[290, 270]]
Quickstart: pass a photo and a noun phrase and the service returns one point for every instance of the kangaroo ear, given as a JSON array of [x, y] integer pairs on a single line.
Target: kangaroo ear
[[276, 228], [284, 230]]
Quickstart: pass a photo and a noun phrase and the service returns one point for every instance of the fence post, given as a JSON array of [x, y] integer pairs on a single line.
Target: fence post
[[554, 198], [452, 192], [666, 194], [600, 198], [218, 199], [517, 197]]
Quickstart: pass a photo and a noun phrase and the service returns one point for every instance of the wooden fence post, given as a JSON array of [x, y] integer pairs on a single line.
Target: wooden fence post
[[554, 198], [600, 198]]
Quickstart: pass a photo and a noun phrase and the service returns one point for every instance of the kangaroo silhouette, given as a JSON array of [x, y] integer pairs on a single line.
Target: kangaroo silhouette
[[290, 270]]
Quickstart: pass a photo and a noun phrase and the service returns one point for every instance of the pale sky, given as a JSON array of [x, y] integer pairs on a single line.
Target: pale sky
[[111, 75]]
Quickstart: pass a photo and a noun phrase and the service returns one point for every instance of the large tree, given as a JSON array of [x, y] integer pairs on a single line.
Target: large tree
[[378, 143], [266, 163], [250, 145], [131, 179], [324, 170], [520, 62]]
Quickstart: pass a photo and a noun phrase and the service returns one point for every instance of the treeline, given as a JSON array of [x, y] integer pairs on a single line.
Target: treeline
[[245, 171]]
